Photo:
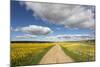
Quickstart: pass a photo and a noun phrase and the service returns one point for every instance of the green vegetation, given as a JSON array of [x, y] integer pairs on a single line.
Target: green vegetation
[[80, 51], [39, 56], [23, 54]]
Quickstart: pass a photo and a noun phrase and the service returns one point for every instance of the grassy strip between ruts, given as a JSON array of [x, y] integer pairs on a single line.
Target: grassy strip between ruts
[[36, 59], [74, 56]]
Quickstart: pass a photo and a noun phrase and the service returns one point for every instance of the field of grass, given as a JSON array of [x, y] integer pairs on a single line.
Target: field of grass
[[23, 54], [28, 53], [80, 51]]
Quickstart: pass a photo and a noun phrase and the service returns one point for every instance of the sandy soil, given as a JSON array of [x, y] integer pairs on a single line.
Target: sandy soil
[[55, 55]]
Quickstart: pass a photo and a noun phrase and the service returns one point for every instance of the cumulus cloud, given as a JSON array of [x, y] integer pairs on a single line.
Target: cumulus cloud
[[34, 30], [71, 16], [26, 36]]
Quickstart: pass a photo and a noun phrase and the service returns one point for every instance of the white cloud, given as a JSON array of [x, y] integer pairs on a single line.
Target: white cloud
[[26, 36], [71, 37], [71, 16], [34, 30], [63, 37]]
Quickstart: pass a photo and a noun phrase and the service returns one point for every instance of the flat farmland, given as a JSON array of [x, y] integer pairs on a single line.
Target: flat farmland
[[80, 51], [27, 53], [23, 54]]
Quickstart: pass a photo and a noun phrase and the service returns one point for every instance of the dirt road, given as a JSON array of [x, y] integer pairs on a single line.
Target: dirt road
[[55, 55]]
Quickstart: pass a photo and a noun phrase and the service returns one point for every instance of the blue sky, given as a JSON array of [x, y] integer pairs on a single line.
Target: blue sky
[[29, 22]]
